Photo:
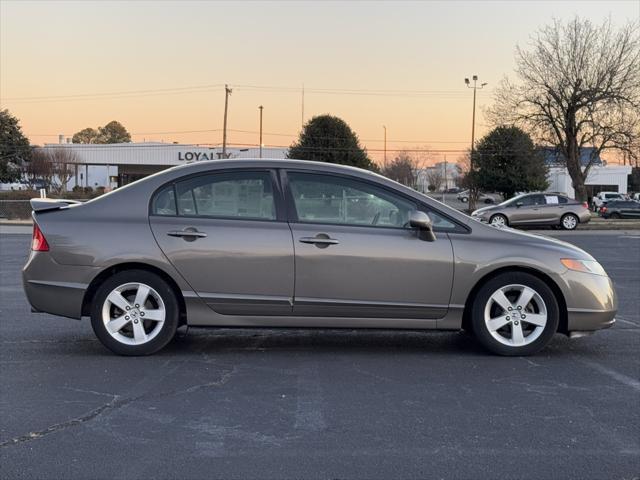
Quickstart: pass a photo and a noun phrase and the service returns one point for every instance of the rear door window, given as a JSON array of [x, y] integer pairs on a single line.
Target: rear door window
[[241, 195]]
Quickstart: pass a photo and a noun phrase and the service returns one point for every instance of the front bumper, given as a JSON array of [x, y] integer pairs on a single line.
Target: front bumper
[[54, 288], [591, 301]]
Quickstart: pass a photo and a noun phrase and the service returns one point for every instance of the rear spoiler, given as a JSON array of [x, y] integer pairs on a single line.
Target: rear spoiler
[[45, 204]]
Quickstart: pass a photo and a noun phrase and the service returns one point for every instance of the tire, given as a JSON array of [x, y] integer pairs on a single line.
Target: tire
[[569, 221], [464, 199], [615, 216], [131, 334], [501, 336], [499, 220], [488, 201]]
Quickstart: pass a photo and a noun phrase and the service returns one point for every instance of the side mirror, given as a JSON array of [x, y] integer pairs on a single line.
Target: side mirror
[[421, 222]]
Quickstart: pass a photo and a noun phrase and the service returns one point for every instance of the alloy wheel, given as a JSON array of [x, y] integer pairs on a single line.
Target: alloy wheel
[[133, 313], [498, 221], [569, 222], [515, 315]]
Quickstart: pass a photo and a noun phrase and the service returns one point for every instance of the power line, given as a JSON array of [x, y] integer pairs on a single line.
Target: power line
[[450, 94], [275, 134], [126, 92]]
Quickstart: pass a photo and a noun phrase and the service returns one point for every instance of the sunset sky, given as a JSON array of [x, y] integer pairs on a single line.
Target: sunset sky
[[65, 66]]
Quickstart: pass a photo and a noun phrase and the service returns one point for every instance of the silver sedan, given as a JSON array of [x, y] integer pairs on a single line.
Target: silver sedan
[[256, 243], [535, 209]]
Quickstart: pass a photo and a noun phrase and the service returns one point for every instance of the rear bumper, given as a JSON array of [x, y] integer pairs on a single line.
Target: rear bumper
[[54, 288], [585, 217]]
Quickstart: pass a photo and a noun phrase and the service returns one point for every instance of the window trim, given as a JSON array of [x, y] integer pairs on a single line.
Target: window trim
[[422, 206], [275, 186]]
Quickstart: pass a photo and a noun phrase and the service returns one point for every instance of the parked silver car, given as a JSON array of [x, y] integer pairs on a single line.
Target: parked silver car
[[536, 209], [281, 243], [463, 196]]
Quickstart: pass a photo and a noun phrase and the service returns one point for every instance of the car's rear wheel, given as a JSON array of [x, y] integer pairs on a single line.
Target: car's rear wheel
[[499, 220], [135, 312], [569, 221], [615, 216], [515, 313]]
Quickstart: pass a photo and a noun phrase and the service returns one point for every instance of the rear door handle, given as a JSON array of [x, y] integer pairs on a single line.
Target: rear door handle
[[320, 241], [186, 233]]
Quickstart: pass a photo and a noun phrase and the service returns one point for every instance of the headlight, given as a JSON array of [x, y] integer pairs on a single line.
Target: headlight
[[585, 266]]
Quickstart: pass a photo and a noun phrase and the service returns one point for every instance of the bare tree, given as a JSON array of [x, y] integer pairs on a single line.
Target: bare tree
[[435, 178], [578, 86], [39, 168], [53, 166], [62, 161], [403, 169]]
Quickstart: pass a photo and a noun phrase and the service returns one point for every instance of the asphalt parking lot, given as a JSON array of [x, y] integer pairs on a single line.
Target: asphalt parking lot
[[319, 403]]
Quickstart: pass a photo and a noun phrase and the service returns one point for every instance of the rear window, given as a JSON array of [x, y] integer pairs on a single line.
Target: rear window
[[164, 203]]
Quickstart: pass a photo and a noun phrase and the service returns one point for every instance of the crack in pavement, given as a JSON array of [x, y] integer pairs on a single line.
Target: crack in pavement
[[115, 403]]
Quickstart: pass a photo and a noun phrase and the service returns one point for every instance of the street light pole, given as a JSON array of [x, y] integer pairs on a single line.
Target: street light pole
[[260, 107], [227, 92]]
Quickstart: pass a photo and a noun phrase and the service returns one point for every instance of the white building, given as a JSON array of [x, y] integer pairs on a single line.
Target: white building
[[450, 173], [116, 164], [612, 178]]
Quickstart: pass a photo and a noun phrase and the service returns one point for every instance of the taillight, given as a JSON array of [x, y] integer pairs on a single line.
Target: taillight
[[603, 209], [38, 243], [585, 204]]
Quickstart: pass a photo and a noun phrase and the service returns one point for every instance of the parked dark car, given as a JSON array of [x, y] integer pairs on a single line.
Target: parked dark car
[[621, 209], [453, 190]]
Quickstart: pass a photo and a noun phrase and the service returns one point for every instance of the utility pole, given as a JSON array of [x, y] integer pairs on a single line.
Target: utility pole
[[260, 107], [473, 115], [227, 92], [472, 192], [385, 145]]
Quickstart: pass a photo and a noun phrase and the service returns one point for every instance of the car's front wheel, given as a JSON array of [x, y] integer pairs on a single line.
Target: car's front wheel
[[135, 312], [515, 313], [569, 221], [499, 220]]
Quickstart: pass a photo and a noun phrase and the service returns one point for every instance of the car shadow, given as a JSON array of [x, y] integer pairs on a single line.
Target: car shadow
[[283, 340]]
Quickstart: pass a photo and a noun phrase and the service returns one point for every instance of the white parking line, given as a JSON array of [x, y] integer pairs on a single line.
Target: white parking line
[[618, 319], [628, 381]]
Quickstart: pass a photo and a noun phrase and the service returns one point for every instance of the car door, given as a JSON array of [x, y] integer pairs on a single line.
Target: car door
[[553, 208], [227, 235], [355, 255], [521, 211], [535, 211], [630, 209]]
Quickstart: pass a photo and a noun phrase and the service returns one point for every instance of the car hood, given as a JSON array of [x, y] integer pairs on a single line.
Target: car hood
[[485, 209]]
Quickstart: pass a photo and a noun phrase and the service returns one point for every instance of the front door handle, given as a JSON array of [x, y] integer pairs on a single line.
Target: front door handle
[[322, 240], [193, 233]]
